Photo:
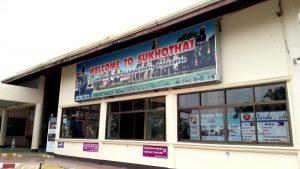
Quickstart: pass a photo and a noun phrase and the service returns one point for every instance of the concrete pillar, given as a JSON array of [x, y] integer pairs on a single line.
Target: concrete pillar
[[171, 127], [3, 127], [102, 121], [37, 124], [38, 115]]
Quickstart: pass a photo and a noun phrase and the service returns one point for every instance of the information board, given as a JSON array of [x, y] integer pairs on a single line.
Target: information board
[[51, 135]]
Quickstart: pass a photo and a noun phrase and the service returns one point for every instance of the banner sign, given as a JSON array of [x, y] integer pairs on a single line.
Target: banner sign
[[187, 56], [90, 147], [155, 151], [51, 135]]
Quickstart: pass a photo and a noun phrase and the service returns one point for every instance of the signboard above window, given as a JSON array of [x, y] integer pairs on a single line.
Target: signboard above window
[[187, 56]]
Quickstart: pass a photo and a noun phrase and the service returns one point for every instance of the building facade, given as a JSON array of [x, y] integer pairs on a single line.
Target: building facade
[[243, 113]]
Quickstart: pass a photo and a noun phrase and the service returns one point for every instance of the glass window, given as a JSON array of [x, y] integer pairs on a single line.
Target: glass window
[[270, 93], [145, 121], [155, 127], [189, 100], [189, 125], [114, 107], [126, 105], [272, 124], [212, 98], [140, 104], [239, 96], [80, 122], [212, 124], [184, 124], [232, 116], [157, 102], [113, 123], [241, 124]]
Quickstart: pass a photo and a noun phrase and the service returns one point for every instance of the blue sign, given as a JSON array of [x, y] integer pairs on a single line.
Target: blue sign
[[184, 57], [60, 144]]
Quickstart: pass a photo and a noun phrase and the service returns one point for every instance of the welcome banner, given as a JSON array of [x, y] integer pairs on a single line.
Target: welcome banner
[[184, 57]]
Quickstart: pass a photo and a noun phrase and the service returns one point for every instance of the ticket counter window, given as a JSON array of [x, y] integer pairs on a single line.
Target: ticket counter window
[[80, 122], [140, 119], [245, 115]]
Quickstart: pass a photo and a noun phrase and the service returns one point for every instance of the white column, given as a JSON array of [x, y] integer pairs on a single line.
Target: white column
[[171, 127], [102, 121], [38, 115], [36, 134], [3, 127], [102, 126]]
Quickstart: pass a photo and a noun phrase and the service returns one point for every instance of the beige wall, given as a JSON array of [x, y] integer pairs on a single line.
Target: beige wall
[[253, 51], [19, 94]]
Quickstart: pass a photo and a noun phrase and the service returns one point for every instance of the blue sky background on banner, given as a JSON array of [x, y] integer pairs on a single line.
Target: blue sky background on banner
[[134, 50]]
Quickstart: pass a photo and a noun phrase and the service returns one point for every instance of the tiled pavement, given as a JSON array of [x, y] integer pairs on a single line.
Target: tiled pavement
[[24, 159]]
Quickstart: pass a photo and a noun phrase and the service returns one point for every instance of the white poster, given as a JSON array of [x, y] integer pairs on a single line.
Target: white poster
[[234, 126], [51, 135], [194, 127], [248, 127], [212, 126], [272, 127]]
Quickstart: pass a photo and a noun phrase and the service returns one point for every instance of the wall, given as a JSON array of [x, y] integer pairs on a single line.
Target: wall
[[34, 83], [291, 25], [253, 51], [19, 94]]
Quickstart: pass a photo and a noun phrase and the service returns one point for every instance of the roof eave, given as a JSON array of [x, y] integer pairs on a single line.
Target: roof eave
[[187, 13]]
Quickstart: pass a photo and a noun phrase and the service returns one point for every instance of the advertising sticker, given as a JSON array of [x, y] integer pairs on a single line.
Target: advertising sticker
[[155, 151], [90, 147], [60, 144]]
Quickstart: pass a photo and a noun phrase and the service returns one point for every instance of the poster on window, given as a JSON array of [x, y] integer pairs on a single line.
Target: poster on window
[[234, 126], [187, 56], [51, 135], [248, 127], [194, 127], [212, 126], [272, 127]]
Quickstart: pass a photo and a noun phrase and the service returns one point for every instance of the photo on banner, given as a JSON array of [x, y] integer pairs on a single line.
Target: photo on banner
[[183, 57]]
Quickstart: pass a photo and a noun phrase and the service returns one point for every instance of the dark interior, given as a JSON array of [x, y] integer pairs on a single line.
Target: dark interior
[[51, 96]]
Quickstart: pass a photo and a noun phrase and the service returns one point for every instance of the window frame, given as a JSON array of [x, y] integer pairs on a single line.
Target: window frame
[[69, 117], [146, 111], [225, 107]]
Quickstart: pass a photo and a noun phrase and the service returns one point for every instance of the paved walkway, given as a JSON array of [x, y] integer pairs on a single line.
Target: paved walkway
[[28, 160]]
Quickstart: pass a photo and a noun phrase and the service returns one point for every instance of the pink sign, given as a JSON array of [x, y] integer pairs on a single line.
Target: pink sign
[[90, 147], [155, 151]]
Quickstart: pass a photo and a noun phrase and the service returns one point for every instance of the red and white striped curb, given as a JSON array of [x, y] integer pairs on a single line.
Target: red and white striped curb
[[9, 165]]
